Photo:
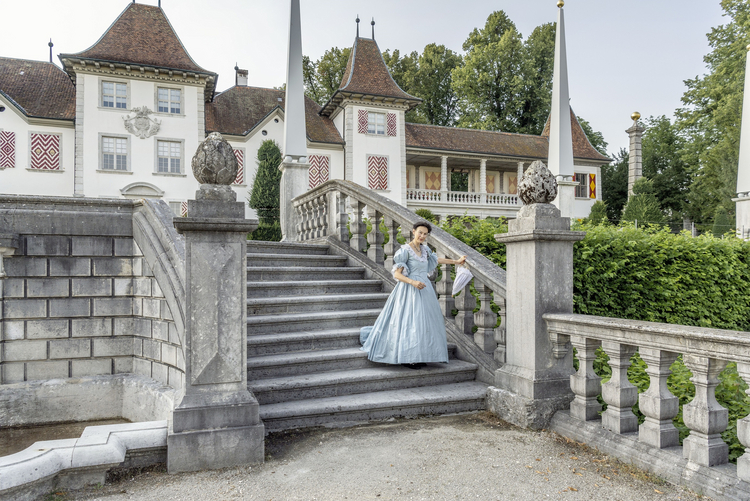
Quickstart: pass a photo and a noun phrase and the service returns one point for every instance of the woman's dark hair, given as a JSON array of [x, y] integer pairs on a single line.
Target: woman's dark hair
[[422, 223]]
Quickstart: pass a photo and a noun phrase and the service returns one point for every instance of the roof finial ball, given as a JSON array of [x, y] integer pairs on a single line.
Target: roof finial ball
[[635, 116], [357, 25], [373, 28], [560, 3]]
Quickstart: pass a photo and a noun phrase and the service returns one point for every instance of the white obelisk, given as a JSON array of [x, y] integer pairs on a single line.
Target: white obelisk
[[560, 160], [294, 168], [743, 168]]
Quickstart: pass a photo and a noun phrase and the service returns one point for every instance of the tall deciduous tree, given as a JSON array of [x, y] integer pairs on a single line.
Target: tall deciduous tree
[[595, 137], [433, 82], [323, 77], [615, 185]]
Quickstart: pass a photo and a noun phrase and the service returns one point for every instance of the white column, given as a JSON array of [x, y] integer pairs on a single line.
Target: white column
[[483, 181], [443, 178], [520, 171], [743, 170]]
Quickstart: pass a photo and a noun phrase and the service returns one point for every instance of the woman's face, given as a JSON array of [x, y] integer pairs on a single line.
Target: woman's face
[[420, 234]]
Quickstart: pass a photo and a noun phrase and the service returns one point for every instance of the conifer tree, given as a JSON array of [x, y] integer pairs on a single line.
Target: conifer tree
[[264, 197], [643, 206]]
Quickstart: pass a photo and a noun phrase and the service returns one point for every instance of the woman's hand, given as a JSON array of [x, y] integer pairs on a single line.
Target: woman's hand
[[418, 285], [461, 261]]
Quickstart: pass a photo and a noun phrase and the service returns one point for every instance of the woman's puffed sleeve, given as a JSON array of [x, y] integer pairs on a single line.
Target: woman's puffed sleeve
[[399, 261], [432, 260]]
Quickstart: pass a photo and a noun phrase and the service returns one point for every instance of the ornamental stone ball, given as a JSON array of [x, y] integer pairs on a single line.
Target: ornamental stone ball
[[214, 161], [538, 185]]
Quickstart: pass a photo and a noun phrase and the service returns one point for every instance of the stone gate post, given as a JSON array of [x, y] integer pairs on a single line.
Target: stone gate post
[[216, 424], [534, 384]]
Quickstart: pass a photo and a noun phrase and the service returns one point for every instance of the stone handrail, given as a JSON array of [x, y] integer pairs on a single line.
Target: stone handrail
[[706, 352], [323, 214]]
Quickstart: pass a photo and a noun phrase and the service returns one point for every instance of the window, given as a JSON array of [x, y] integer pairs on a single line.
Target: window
[[376, 123], [169, 156], [114, 95], [582, 186], [114, 153], [170, 100]]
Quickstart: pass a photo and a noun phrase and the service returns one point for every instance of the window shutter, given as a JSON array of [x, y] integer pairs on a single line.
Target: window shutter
[[362, 122], [7, 149], [391, 124], [320, 170], [592, 185], [377, 172], [240, 155], [184, 209], [45, 151]]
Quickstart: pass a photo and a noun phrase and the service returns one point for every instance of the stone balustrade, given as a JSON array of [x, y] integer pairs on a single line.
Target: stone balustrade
[[324, 213], [705, 352], [462, 197]]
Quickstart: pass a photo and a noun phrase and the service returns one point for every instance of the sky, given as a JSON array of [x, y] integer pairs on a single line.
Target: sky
[[623, 56]]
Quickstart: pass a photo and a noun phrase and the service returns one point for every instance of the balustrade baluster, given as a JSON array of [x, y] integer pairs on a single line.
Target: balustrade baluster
[[465, 304], [657, 403], [357, 227], [619, 393], [375, 238], [309, 207], [705, 417], [445, 288], [323, 216], [586, 385], [743, 430], [500, 330], [314, 210], [391, 227], [340, 217], [301, 214], [485, 319]]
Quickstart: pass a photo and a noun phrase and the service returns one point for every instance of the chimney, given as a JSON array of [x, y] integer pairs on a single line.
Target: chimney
[[240, 78]]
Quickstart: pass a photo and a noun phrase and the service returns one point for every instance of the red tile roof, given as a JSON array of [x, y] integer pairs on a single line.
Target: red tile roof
[[141, 35], [367, 75], [581, 145], [240, 109], [38, 88]]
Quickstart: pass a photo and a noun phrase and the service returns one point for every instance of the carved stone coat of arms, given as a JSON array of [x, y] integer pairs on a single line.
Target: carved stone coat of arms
[[141, 124]]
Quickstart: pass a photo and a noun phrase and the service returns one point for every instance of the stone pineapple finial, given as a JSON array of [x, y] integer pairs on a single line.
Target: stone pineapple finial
[[538, 185], [214, 161]]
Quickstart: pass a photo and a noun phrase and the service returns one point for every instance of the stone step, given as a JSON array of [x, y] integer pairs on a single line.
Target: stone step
[[269, 344], [276, 274], [285, 248], [306, 362], [350, 382], [312, 288], [300, 322], [295, 260], [304, 304], [426, 400]]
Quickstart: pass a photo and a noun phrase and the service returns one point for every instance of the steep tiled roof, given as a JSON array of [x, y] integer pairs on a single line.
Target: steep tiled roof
[[497, 143], [581, 145], [367, 75], [39, 88], [240, 109]]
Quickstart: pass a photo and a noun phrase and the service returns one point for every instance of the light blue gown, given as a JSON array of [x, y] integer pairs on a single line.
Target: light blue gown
[[410, 329]]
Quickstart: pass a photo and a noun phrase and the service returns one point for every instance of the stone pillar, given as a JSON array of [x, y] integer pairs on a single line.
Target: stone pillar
[[443, 178], [566, 199], [483, 181], [216, 424], [534, 383], [294, 182], [635, 162]]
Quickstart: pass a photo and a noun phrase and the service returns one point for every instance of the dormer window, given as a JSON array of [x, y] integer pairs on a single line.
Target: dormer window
[[170, 100], [376, 123], [114, 95]]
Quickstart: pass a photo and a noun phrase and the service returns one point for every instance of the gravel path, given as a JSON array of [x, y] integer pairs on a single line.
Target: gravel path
[[472, 456]]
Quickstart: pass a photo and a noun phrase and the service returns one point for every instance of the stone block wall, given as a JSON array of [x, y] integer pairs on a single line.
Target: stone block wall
[[79, 299]]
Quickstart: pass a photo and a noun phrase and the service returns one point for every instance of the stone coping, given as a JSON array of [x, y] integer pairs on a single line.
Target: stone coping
[[98, 449]]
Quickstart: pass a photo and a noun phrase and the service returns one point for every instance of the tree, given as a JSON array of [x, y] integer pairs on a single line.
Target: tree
[[643, 205], [264, 197], [594, 136], [323, 77], [712, 115], [598, 214], [663, 164], [615, 185], [722, 223], [433, 82]]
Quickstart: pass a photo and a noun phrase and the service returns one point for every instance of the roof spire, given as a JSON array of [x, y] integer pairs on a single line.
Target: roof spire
[[373, 28], [50, 49], [357, 25]]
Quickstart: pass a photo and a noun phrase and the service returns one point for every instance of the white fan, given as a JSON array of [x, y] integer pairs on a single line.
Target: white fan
[[463, 277]]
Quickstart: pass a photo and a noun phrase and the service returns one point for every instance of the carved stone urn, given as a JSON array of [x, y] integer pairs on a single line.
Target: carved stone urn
[[214, 161], [538, 185]]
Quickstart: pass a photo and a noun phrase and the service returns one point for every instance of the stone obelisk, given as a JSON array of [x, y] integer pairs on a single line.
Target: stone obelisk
[[743, 169], [294, 168], [560, 160]]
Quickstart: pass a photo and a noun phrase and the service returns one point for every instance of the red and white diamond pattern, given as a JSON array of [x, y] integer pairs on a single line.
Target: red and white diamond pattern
[[240, 179], [320, 170], [362, 122], [377, 172], [183, 209], [7, 149], [45, 151], [391, 124]]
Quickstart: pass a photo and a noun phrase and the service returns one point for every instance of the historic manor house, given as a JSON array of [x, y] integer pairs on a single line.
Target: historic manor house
[[125, 116]]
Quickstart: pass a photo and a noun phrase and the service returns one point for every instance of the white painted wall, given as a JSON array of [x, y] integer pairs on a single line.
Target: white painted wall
[[21, 180], [582, 206]]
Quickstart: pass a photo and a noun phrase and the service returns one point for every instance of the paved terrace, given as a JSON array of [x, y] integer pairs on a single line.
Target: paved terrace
[[470, 456]]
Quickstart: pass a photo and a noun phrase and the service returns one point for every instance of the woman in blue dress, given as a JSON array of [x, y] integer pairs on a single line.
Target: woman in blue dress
[[410, 330]]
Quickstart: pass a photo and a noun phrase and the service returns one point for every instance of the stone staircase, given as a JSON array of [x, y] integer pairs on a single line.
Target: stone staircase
[[305, 308]]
